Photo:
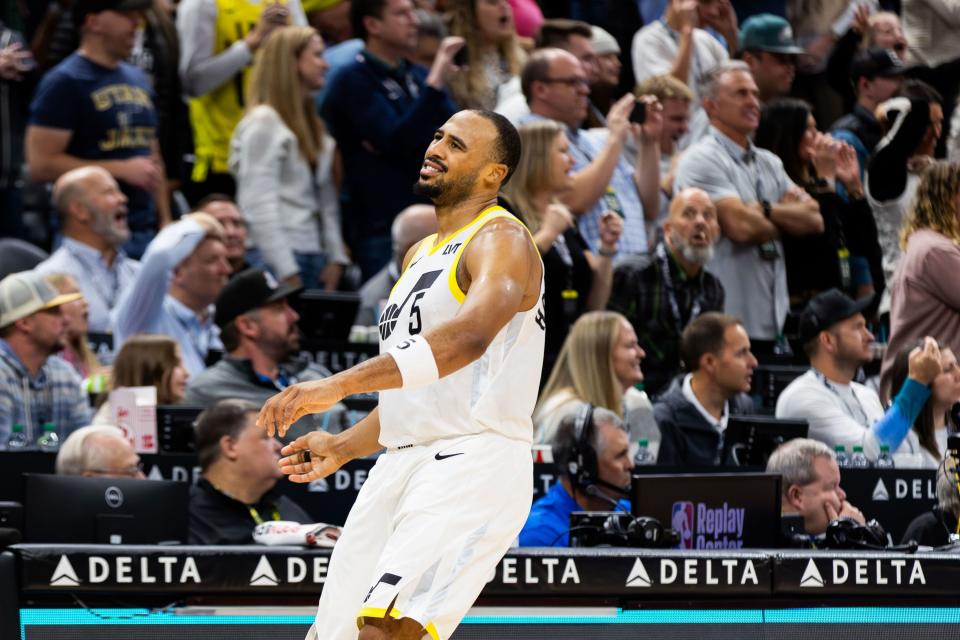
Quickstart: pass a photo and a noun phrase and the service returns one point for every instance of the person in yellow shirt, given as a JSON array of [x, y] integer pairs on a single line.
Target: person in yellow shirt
[[218, 39]]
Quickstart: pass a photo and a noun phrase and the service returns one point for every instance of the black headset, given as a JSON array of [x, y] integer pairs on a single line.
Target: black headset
[[847, 533], [639, 532], [582, 464]]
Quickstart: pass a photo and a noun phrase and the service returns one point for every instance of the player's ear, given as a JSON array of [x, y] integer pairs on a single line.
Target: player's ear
[[497, 173]]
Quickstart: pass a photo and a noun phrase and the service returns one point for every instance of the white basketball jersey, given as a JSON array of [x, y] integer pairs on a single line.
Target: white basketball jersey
[[497, 392]]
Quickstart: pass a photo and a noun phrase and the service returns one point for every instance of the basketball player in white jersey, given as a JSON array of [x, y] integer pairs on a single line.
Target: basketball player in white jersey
[[461, 350]]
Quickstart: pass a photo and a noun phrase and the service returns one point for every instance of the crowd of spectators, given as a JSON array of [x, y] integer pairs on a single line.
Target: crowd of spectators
[[173, 174]]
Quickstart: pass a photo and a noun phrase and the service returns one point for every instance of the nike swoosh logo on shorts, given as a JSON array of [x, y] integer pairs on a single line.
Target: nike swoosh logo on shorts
[[449, 455]]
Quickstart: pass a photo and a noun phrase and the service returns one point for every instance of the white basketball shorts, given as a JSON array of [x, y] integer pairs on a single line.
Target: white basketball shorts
[[427, 530]]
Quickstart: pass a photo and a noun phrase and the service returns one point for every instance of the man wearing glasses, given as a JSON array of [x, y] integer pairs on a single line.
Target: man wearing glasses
[[99, 451], [557, 87]]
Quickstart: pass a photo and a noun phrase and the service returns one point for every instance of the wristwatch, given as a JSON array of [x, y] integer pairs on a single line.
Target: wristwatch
[[767, 209]]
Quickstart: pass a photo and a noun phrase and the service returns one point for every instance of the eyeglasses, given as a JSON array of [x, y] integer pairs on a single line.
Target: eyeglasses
[[129, 472], [570, 82]]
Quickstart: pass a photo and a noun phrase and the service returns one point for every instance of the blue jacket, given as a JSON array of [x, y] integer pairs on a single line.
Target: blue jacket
[[548, 524], [383, 118]]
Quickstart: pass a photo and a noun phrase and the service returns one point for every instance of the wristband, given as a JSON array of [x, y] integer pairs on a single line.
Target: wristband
[[606, 253], [414, 359]]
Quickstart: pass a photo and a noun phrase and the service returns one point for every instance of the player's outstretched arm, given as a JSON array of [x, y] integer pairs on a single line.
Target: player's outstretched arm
[[501, 276]]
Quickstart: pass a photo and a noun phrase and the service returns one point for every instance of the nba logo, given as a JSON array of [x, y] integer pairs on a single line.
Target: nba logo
[[682, 522]]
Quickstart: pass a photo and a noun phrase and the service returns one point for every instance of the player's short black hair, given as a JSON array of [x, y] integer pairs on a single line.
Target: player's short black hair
[[508, 145], [360, 9]]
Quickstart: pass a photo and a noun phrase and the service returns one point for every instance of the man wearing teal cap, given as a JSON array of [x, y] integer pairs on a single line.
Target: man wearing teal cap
[[768, 47]]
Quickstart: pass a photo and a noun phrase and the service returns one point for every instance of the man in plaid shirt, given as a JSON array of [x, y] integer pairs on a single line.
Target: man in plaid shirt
[[36, 386], [661, 293]]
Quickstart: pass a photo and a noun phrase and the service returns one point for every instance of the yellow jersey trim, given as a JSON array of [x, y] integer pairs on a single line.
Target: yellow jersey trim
[[478, 217], [380, 612], [480, 221]]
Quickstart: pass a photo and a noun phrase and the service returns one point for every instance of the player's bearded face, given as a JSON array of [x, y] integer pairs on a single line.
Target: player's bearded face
[[436, 183]]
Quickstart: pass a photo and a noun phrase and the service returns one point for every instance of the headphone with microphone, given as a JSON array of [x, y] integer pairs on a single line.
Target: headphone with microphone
[[582, 465], [620, 528]]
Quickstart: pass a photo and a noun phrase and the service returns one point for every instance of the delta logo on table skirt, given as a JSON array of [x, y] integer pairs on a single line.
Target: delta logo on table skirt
[[706, 526]]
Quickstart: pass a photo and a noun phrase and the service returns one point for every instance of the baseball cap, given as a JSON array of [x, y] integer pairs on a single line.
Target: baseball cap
[[603, 43], [827, 309], [767, 32], [873, 63], [247, 291], [23, 294], [82, 8]]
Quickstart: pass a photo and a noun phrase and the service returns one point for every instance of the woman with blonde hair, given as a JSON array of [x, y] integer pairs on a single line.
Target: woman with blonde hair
[[494, 57], [599, 364], [147, 360], [576, 279], [285, 163], [77, 352], [925, 298]]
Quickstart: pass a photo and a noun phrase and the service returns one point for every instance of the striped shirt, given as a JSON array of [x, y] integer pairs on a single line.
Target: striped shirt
[[621, 196], [53, 395], [100, 283]]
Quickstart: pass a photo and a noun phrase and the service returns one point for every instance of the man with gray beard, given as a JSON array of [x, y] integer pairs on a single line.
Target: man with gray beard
[[661, 293], [93, 221]]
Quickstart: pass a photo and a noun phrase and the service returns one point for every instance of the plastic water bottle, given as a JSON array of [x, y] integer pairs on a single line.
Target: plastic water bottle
[[644, 455], [49, 440], [859, 459], [885, 461], [18, 439], [843, 460]]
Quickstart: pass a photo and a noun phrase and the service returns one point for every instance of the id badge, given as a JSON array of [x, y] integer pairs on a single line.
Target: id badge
[[768, 251], [612, 202], [571, 298], [843, 259]]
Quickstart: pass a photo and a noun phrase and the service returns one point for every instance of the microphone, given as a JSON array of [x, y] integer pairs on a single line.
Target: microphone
[[593, 491]]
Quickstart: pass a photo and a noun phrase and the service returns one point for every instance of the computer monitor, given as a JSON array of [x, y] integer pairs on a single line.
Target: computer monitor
[[769, 381], [175, 427], [80, 510], [326, 315], [749, 440], [713, 511]]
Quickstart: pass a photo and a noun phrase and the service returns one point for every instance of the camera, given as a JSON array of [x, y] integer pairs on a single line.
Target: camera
[[639, 113]]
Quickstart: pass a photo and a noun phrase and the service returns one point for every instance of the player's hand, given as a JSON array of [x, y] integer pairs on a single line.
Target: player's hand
[[296, 401], [320, 462], [924, 362]]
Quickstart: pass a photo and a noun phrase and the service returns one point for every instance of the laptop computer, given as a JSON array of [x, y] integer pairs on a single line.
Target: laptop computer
[[715, 510]]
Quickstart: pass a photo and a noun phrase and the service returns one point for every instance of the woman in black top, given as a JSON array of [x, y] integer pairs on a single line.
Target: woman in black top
[[576, 280], [846, 255]]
